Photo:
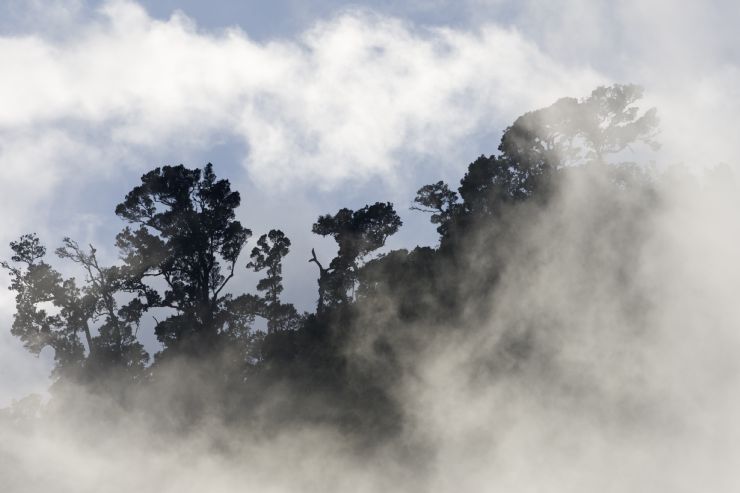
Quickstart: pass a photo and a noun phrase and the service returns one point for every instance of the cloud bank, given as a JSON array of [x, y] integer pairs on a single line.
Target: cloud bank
[[342, 102]]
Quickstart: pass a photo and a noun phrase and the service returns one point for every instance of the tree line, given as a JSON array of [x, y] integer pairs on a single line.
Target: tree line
[[181, 246]]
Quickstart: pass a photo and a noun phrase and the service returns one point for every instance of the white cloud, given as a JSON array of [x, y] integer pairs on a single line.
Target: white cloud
[[350, 99], [339, 103], [685, 54]]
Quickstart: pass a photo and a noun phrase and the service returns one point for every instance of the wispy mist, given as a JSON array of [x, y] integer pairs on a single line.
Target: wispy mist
[[575, 329]]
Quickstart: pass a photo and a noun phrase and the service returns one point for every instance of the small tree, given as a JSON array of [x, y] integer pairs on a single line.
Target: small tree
[[357, 233], [441, 202], [268, 256]]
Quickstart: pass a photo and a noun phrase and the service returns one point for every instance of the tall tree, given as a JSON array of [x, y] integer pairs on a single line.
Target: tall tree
[[186, 237]]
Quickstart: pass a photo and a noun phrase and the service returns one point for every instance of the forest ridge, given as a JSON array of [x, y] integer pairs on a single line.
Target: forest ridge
[[181, 245]]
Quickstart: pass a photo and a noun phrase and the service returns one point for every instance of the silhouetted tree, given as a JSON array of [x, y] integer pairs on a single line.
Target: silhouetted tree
[[187, 237], [357, 233], [35, 284], [492, 182], [538, 144], [268, 256], [55, 312], [116, 342], [441, 202]]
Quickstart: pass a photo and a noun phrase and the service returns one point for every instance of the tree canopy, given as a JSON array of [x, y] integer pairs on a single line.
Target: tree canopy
[[181, 246], [185, 234]]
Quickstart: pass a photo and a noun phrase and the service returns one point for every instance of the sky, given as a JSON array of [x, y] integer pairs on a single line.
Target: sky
[[307, 108]]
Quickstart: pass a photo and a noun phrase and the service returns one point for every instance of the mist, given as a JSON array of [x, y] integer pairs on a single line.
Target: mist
[[574, 329], [605, 360]]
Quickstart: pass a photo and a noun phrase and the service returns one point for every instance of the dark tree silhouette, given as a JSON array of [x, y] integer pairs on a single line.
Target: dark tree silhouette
[[357, 233], [116, 341], [538, 144], [441, 202], [187, 237], [38, 283], [268, 256], [55, 312], [492, 182]]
